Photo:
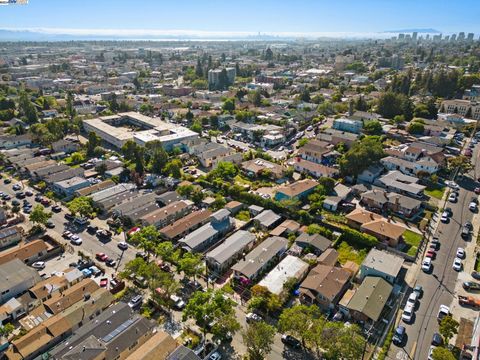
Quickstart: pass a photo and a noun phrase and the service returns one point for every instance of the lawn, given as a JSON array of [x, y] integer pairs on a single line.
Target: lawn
[[412, 239], [347, 252], [435, 191]]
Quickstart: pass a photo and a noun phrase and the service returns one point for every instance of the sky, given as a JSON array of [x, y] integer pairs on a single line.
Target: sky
[[252, 16]]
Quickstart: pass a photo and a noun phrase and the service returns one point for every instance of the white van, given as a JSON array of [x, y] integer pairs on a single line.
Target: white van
[[408, 312]]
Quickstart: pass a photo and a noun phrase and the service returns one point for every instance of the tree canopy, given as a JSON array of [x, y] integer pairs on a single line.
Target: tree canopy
[[362, 154]]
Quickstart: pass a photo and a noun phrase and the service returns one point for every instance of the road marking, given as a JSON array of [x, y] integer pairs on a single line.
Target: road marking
[[412, 352], [401, 355]]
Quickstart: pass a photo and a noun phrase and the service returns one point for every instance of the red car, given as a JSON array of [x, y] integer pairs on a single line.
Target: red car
[[101, 256], [104, 282], [45, 202], [431, 254]]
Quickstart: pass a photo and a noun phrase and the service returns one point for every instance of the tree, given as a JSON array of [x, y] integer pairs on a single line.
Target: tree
[[174, 168], [461, 162], [191, 264], [6, 329], [258, 338], [166, 251], [158, 160], [212, 307], [229, 105], [27, 108], [82, 205], [70, 110], [199, 69], [93, 141], [297, 321], [416, 128], [146, 238], [196, 126], [128, 150], [139, 159], [448, 327], [101, 169], [305, 96], [39, 215], [441, 353], [391, 104], [373, 127], [268, 54], [361, 155]]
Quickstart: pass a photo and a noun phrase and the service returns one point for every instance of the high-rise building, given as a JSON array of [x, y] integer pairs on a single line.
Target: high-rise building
[[461, 36], [414, 36], [447, 37], [470, 37], [401, 36], [453, 37], [215, 79]]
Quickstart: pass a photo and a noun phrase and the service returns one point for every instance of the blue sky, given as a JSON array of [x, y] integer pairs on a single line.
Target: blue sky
[[268, 16]]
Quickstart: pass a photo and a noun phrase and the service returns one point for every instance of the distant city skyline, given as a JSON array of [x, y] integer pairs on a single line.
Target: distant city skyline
[[219, 18]]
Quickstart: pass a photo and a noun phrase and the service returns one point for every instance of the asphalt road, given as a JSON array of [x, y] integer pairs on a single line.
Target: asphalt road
[[91, 245], [438, 285]]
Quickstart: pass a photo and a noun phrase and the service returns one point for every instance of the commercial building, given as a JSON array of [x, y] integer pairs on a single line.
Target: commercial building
[[16, 279], [290, 267]]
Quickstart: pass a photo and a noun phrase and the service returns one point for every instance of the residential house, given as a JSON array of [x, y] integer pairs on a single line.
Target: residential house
[[384, 201], [368, 301], [16, 279], [224, 255], [259, 167], [209, 234], [403, 184], [297, 190], [167, 214], [409, 167], [340, 194], [324, 286], [315, 243], [114, 334], [382, 264], [289, 267], [370, 174], [10, 236], [348, 125], [94, 188], [286, 228], [185, 225], [314, 151], [314, 169], [183, 353], [26, 252], [266, 220], [69, 186], [376, 225], [158, 347], [259, 259], [234, 207], [15, 141], [66, 146]]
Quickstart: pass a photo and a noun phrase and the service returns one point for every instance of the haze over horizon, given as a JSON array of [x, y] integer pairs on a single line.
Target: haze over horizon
[[188, 18]]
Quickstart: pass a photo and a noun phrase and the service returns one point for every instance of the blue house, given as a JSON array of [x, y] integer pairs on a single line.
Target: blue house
[[348, 125], [297, 190]]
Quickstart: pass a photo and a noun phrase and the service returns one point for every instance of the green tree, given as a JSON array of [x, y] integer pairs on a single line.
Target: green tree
[[448, 327], [212, 307], [197, 127], [27, 108], [461, 162], [441, 353], [258, 338], [174, 168], [191, 264], [93, 141], [129, 150], [229, 105], [373, 127], [6, 329], [81, 205], [158, 160], [146, 238], [70, 110], [39, 215], [166, 251], [297, 320], [361, 155], [416, 128]]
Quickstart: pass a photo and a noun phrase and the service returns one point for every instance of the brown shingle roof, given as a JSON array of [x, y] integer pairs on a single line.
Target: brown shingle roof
[[326, 280], [298, 187], [188, 222], [362, 216], [24, 251], [384, 228], [61, 301]]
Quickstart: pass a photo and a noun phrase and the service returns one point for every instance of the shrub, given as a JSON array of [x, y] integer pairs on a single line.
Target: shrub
[[354, 237]]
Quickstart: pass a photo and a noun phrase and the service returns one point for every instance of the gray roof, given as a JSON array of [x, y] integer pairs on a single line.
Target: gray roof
[[267, 218], [53, 169], [231, 246], [111, 191], [220, 214], [136, 202], [383, 262], [111, 201], [65, 175], [395, 179], [371, 297], [168, 197], [182, 353], [15, 272], [263, 253], [8, 232], [315, 240]]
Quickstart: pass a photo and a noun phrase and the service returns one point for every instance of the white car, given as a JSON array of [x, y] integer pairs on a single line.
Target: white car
[[444, 217], [74, 237], [39, 265], [215, 356], [407, 314], [452, 184], [461, 253], [412, 299], [427, 264], [77, 241], [430, 353], [457, 264], [122, 245], [452, 197], [177, 301], [252, 317], [472, 206]]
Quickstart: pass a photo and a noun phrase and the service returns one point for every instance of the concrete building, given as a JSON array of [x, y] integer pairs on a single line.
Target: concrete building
[[214, 77], [289, 267], [16, 279]]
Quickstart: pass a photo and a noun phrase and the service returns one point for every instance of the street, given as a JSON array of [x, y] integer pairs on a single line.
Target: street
[[439, 285]]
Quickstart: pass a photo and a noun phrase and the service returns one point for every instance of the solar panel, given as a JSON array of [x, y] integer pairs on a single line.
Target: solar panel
[[118, 330]]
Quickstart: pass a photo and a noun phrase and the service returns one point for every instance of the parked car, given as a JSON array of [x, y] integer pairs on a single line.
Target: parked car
[[76, 241], [399, 335], [427, 264], [461, 253], [87, 272], [178, 302], [291, 341], [69, 217], [136, 301], [457, 264], [122, 245], [92, 229], [419, 290], [473, 206], [452, 197], [95, 271], [465, 232], [28, 193], [101, 256], [445, 217], [407, 314], [110, 262], [16, 187], [39, 265], [50, 224], [412, 298], [430, 254], [66, 234], [104, 282], [443, 311], [56, 208], [471, 286]]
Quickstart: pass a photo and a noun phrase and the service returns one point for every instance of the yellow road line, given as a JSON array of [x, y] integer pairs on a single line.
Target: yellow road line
[[412, 352]]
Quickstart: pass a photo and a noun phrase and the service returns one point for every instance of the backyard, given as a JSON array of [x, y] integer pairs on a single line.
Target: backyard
[[412, 239], [347, 252], [435, 191]]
